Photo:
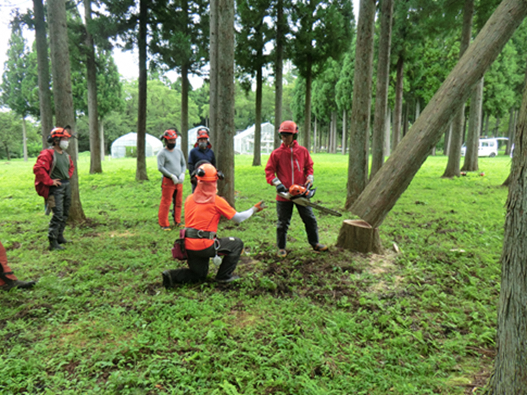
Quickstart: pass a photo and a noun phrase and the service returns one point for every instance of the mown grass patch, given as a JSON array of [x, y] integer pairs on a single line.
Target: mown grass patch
[[99, 321]]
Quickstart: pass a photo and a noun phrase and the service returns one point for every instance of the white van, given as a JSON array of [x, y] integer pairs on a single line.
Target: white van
[[487, 147]]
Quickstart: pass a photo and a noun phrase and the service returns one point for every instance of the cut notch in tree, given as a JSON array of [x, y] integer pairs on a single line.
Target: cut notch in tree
[[360, 236]]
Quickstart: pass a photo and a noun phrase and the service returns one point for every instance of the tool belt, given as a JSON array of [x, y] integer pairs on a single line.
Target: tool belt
[[192, 233]]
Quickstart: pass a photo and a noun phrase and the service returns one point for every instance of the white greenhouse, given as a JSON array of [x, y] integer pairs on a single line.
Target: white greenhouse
[[126, 146], [244, 141]]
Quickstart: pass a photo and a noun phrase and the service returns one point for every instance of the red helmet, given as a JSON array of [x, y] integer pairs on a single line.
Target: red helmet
[[170, 134], [61, 132], [288, 127], [203, 133], [206, 172]]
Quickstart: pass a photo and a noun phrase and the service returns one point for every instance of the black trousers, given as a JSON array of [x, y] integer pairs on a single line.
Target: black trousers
[[285, 212], [198, 261], [59, 201]]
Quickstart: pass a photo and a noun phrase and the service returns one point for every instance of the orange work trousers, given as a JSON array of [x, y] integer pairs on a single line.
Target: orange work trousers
[[170, 193], [3, 265]]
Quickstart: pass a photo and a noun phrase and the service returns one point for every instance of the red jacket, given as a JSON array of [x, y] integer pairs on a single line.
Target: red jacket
[[291, 165], [43, 169]]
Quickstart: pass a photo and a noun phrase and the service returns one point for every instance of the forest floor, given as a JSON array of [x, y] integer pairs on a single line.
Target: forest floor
[[418, 321]]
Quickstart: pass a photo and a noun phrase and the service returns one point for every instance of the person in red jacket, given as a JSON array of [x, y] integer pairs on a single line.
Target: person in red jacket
[[53, 171], [7, 279], [291, 164]]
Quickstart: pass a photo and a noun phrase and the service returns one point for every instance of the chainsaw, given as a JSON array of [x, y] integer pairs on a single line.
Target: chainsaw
[[300, 195]]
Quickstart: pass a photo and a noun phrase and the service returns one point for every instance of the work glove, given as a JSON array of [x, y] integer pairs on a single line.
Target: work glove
[[175, 180], [260, 206], [281, 188], [181, 178], [309, 183]]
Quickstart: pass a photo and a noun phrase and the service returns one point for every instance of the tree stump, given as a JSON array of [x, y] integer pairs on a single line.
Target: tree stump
[[360, 236]]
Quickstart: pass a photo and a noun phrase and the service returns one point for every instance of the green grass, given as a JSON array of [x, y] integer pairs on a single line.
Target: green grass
[[99, 321]]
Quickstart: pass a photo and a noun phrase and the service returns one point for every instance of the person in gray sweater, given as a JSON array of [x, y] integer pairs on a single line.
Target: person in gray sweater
[[171, 163]]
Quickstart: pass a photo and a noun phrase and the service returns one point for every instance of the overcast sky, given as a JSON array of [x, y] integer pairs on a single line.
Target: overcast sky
[[127, 62]]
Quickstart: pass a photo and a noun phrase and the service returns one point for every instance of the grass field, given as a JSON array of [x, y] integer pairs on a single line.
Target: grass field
[[99, 321]]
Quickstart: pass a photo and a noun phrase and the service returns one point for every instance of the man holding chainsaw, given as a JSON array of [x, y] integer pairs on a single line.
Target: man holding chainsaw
[[203, 210], [290, 164]]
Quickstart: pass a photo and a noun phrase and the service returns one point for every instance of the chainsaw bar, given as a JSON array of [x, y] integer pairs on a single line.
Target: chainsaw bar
[[324, 209], [302, 201]]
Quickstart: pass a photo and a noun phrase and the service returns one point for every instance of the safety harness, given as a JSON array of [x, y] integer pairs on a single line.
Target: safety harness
[[193, 233]]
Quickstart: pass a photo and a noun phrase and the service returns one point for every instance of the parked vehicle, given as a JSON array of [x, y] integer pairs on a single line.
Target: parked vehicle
[[487, 147]]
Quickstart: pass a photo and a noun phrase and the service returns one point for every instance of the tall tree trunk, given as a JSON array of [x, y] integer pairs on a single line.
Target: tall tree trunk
[[315, 137], [101, 138], [213, 90], [398, 109], [140, 174], [91, 80], [344, 134], [497, 128], [225, 98], [474, 126], [361, 104], [406, 119], [7, 152], [44, 92], [24, 138], [307, 110], [278, 66], [417, 108], [184, 110], [487, 118], [391, 181], [509, 131], [257, 158], [383, 77], [60, 62], [387, 132], [510, 365], [448, 133], [456, 137]]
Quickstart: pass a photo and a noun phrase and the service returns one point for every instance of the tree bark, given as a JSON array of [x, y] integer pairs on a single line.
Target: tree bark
[[474, 126], [315, 137], [510, 364], [213, 89], [257, 157], [359, 236], [279, 50], [361, 104], [307, 110], [24, 138], [60, 62], [398, 109], [446, 147], [44, 92], [383, 78], [225, 99], [391, 181], [387, 131], [497, 128], [141, 174], [487, 118], [509, 132], [184, 110], [456, 136], [91, 80]]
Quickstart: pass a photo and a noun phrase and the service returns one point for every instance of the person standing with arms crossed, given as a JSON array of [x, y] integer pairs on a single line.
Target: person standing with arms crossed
[[171, 163], [200, 154]]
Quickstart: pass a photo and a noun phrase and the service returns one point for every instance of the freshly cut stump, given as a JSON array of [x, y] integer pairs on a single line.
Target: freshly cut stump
[[358, 235]]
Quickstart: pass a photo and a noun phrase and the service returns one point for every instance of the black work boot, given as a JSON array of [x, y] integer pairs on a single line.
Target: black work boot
[[62, 240], [168, 282], [54, 245], [17, 284]]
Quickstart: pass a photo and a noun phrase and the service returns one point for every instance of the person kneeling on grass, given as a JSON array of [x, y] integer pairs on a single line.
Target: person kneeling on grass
[[7, 279], [203, 210]]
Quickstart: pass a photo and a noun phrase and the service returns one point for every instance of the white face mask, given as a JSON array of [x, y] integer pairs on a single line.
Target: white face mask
[[64, 144]]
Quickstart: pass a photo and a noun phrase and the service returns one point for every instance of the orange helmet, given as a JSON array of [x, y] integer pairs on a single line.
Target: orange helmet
[[169, 134], [288, 127], [206, 172], [203, 133], [61, 132]]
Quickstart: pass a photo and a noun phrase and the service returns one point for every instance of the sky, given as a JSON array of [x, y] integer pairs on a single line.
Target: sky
[[126, 61]]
